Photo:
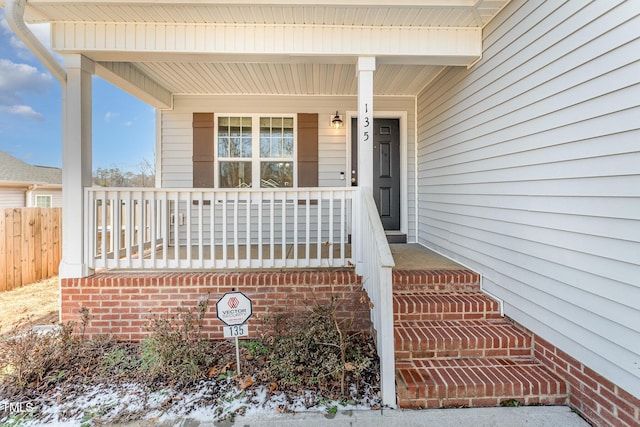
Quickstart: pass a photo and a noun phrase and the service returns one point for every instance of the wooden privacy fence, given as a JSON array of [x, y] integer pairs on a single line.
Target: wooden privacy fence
[[30, 245]]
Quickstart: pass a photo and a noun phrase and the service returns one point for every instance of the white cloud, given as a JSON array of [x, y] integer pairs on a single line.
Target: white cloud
[[41, 31], [128, 123], [22, 110], [16, 79], [109, 116]]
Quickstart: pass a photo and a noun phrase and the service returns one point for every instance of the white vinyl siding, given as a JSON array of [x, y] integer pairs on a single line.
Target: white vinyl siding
[[12, 197], [529, 172], [176, 134]]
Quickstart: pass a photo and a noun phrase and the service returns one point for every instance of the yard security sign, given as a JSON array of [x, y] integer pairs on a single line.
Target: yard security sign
[[234, 308]]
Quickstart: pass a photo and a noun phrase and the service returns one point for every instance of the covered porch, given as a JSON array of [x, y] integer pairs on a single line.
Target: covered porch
[[293, 65]]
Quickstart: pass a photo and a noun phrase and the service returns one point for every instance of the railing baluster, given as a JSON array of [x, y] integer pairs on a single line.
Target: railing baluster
[[343, 221], [319, 227], [105, 229], [225, 259], [236, 255], [176, 230], [248, 229], [260, 229], [200, 228], [212, 219], [283, 220], [272, 229], [307, 243], [331, 225], [296, 243], [153, 228]]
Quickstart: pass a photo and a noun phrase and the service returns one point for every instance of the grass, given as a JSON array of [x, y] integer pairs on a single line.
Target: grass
[[30, 305]]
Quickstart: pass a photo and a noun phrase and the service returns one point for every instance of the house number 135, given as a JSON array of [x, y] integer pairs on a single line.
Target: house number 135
[[367, 123]]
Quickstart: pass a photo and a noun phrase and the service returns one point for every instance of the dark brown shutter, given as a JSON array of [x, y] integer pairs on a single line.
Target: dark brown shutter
[[203, 150], [307, 150]]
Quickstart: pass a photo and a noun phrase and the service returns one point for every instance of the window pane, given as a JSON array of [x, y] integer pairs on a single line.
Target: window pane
[[223, 146], [288, 124], [43, 201], [265, 144], [265, 137], [223, 137], [287, 144], [234, 137], [276, 174], [235, 174], [276, 137]]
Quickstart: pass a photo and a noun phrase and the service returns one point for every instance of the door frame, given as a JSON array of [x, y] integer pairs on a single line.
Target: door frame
[[404, 190]]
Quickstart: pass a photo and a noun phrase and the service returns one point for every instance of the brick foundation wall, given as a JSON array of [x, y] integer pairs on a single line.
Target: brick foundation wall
[[600, 401], [122, 304]]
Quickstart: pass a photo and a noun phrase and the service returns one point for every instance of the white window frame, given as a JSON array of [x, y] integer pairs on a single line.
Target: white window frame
[[255, 148], [45, 196]]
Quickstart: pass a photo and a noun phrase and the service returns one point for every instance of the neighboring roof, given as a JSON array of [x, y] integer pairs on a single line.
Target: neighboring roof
[[15, 170]]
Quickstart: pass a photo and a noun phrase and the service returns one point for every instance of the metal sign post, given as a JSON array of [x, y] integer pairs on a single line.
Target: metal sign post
[[234, 309]]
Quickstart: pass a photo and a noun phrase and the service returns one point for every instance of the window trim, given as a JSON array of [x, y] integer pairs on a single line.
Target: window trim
[[255, 158]]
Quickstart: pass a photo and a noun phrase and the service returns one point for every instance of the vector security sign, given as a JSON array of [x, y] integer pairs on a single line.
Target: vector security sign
[[234, 308]]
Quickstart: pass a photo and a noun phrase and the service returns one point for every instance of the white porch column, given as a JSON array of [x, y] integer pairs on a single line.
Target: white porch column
[[365, 68], [76, 162]]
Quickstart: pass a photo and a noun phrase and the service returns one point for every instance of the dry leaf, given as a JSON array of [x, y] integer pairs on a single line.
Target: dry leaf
[[247, 382], [273, 387], [349, 367], [213, 372]]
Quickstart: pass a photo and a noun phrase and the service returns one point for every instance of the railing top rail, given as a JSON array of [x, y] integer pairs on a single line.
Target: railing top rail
[[369, 205], [223, 190]]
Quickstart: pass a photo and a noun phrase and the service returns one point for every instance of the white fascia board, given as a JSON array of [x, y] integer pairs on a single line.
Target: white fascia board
[[460, 46], [289, 3], [132, 80]]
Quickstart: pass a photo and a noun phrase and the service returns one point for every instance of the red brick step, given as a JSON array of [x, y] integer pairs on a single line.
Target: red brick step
[[460, 339], [442, 383], [444, 306]]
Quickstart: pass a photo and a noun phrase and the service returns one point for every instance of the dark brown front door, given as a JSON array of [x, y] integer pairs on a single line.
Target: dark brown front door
[[386, 168]]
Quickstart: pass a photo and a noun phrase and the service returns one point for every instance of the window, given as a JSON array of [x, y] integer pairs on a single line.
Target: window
[[255, 151], [43, 201]]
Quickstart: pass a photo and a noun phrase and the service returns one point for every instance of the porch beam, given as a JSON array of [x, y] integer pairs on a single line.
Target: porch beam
[[130, 79], [76, 162], [144, 41]]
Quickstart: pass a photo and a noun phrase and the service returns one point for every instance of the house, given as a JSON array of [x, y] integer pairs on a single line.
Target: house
[[502, 134], [25, 185]]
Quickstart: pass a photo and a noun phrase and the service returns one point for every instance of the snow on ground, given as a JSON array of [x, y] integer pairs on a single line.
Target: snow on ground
[[214, 400]]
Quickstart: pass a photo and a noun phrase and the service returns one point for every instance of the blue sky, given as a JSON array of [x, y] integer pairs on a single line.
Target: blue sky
[[31, 104]]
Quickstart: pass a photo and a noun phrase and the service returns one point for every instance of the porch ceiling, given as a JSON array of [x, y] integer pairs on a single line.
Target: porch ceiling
[[297, 47], [284, 78]]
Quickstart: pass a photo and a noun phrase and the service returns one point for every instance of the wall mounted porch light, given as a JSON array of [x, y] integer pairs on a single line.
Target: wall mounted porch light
[[336, 121]]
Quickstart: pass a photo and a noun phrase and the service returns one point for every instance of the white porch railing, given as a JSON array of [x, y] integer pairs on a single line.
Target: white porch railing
[[193, 229], [375, 264], [266, 228]]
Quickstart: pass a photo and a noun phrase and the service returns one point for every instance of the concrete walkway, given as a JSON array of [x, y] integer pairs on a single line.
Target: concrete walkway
[[528, 416]]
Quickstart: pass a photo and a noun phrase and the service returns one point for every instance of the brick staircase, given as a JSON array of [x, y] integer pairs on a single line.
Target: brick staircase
[[454, 349]]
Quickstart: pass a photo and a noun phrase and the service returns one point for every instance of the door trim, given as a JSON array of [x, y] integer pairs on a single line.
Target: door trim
[[404, 189]]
